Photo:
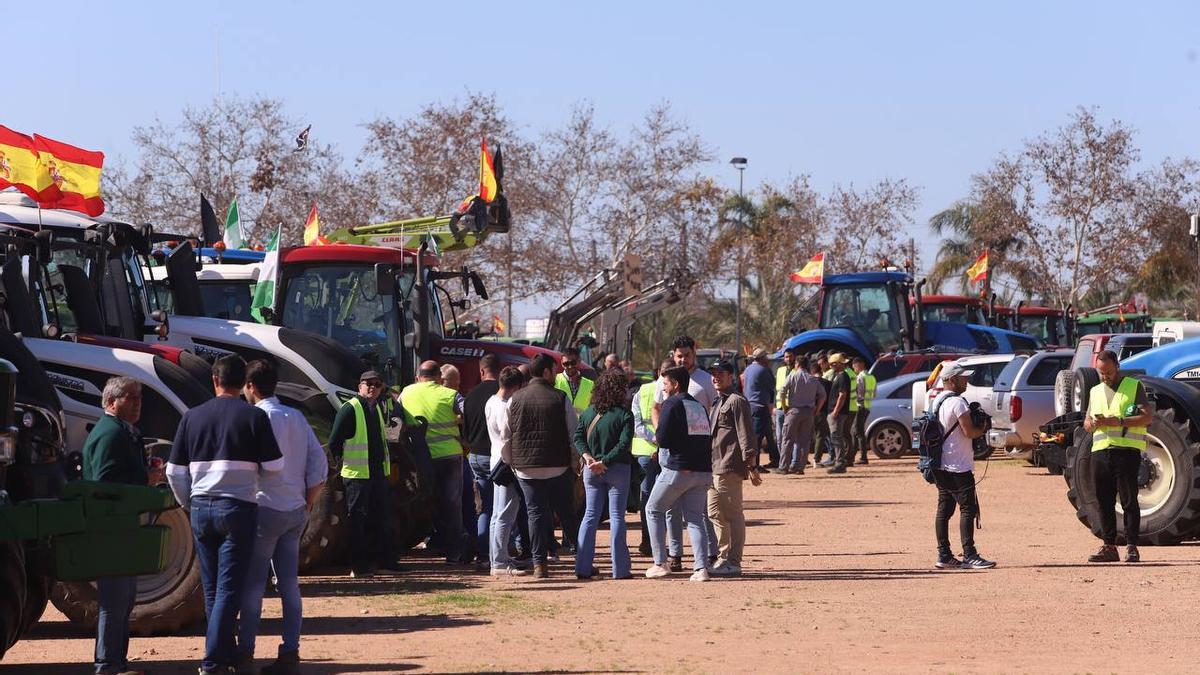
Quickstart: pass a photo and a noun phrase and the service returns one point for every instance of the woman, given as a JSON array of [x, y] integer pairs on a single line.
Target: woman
[[604, 438]]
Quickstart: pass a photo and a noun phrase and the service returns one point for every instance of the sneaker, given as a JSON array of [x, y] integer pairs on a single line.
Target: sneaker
[[948, 561], [827, 462], [526, 564], [837, 469], [1132, 555], [508, 571], [764, 469], [1107, 553], [976, 562], [288, 663], [361, 574], [699, 575], [656, 572], [675, 564], [769, 465], [799, 470], [588, 575], [784, 472], [726, 569], [540, 571]]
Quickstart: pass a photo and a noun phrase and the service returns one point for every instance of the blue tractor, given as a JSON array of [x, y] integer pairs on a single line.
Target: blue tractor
[[869, 313]]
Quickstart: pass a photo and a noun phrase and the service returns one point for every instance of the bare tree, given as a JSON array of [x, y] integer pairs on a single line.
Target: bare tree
[[867, 224]]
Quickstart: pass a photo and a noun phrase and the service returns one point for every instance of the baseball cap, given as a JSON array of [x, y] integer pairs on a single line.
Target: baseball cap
[[759, 353], [721, 365], [369, 375], [955, 370]]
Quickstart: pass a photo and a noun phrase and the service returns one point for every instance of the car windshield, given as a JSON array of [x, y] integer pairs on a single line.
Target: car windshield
[[867, 310]]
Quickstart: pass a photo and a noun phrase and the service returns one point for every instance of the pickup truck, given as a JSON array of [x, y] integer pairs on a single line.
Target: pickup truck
[[1023, 400]]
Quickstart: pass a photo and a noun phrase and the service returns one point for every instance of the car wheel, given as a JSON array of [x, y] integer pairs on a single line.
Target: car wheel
[[889, 440]]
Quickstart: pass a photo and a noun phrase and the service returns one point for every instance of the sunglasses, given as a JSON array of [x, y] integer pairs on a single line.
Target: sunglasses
[[569, 364], [373, 383]]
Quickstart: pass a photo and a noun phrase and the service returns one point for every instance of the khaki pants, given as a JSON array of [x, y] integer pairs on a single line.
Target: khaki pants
[[725, 512]]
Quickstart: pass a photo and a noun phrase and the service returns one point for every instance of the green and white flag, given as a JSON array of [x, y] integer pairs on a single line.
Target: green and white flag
[[264, 290], [233, 227]]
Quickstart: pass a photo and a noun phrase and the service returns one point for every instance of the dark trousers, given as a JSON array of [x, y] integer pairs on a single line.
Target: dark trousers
[[115, 597], [447, 496], [956, 489], [859, 433], [1115, 472], [839, 438], [820, 438], [224, 530], [541, 498], [763, 422], [367, 512]]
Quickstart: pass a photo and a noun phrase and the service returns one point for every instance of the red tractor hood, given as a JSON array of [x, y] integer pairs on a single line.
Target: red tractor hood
[[465, 355]]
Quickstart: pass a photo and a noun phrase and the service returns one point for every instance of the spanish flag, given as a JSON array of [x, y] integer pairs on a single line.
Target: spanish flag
[[312, 229], [812, 273], [74, 174], [488, 187], [498, 326], [19, 164], [979, 271]]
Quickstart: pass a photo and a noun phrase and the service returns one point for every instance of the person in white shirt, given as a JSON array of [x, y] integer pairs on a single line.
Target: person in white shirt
[[506, 499], [955, 478]]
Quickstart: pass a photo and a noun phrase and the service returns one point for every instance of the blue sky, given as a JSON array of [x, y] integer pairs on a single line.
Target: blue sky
[[846, 92]]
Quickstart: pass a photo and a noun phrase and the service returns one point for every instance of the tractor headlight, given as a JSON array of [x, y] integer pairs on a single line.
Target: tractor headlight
[[8, 446], [27, 420]]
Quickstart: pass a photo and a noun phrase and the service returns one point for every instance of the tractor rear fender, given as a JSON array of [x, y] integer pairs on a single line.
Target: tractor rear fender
[[821, 338]]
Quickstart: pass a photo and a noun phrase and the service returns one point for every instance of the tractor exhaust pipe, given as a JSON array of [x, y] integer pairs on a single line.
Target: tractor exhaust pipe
[[918, 337]]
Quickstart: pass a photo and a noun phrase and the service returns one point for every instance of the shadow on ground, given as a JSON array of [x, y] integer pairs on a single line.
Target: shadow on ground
[[815, 504], [174, 667]]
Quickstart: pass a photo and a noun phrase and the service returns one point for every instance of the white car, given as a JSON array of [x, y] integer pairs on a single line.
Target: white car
[[979, 387]]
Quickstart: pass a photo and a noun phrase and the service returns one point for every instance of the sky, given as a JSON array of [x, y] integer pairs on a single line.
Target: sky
[[848, 93]]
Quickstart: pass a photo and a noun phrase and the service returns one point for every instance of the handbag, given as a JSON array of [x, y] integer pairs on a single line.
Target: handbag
[[502, 474]]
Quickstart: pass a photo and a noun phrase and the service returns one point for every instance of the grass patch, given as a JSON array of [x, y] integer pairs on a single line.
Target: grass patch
[[463, 602]]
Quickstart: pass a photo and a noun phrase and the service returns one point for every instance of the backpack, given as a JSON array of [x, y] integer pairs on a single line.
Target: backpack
[[930, 435]]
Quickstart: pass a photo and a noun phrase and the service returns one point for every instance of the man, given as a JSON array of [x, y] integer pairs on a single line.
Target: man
[[860, 408], [821, 428], [479, 445], [221, 449], [955, 478], [645, 450], [611, 361], [358, 442], [572, 382], [541, 418], [113, 453], [760, 394], [1118, 416], [839, 414], [684, 428], [284, 500], [507, 498], [826, 368], [440, 407], [781, 375], [734, 452], [804, 396]]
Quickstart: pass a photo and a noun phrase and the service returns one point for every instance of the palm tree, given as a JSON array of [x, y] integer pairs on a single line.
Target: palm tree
[[967, 228]]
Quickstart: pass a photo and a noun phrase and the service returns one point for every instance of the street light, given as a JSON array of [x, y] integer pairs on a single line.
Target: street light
[[739, 163]]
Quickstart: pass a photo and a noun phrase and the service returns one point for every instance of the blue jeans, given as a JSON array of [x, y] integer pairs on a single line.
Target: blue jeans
[[224, 530], [541, 499], [278, 546], [505, 508], [481, 467], [613, 483], [674, 517], [688, 491], [116, 596], [649, 466]]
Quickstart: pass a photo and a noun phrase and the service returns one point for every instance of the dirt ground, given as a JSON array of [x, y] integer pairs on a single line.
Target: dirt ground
[[840, 579]]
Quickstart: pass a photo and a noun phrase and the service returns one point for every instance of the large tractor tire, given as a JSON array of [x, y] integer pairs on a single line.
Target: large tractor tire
[[411, 498], [167, 602], [889, 440], [323, 542], [37, 588], [1064, 393], [13, 589], [1169, 493]]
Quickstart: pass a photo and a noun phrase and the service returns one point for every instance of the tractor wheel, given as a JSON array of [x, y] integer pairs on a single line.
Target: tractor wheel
[[411, 499], [889, 440], [1169, 496], [1064, 392], [167, 602], [37, 588], [13, 587], [323, 541]]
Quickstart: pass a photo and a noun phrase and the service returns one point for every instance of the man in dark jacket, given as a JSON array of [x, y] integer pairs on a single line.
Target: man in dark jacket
[[480, 446], [113, 453], [684, 433], [542, 419]]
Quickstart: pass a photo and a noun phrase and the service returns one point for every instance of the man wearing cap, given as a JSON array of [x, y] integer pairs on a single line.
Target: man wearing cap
[[440, 408], [781, 375], [734, 452], [760, 394], [358, 442], [955, 477], [839, 414], [803, 396]]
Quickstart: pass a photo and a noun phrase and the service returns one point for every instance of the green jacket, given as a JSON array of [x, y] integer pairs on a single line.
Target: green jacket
[[344, 426], [110, 454], [612, 439]]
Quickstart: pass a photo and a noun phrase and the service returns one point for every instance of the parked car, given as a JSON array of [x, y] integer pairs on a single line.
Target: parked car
[[896, 364], [985, 369], [889, 425], [1124, 345], [1023, 397]]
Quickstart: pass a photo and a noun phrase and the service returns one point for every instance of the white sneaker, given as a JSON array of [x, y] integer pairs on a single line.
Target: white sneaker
[[727, 569], [508, 571], [699, 575], [656, 572]]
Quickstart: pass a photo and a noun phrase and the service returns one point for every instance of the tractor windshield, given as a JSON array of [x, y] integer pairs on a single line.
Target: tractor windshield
[[953, 314], [1050, 329], [870, 311]]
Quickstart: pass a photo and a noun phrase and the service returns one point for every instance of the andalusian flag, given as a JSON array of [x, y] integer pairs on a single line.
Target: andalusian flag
[[498, 326], [978, 271], [73, 174], [264, 290], [812, 273], [19, 165], [312, 229], [233, 227]]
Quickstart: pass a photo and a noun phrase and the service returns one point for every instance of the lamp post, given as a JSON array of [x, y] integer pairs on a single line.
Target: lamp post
[[739, 163]]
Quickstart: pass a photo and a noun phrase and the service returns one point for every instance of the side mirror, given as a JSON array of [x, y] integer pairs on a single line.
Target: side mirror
[[45, 246], [466, 281], [163, 329], [410, 340], [480, 289], [384, 279]]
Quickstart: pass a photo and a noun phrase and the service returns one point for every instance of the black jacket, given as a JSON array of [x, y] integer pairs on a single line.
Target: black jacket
[[475, 431]]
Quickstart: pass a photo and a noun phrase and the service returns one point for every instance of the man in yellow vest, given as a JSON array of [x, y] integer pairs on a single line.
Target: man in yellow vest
[[440, 407], [1118, 417], [572, 382], [645, 450], [357, 441], [774, 445], [860, 407]]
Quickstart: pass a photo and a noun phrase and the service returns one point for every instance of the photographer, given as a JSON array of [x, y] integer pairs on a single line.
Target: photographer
[[955, 479]]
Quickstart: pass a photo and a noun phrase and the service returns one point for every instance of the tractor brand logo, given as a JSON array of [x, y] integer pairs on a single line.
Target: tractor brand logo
[[461, 351], [1188, 374], [66, 382], [210, 353]]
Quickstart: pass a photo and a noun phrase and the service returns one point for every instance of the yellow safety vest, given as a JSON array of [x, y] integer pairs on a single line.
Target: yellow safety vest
[[869, 395], [355, 462], [436, 404], [1123, 405], [781, 376], [645, 399], [583, 396]]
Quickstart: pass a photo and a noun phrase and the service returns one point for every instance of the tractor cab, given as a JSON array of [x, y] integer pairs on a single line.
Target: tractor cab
[[952, 309], [1047, 323]]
